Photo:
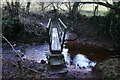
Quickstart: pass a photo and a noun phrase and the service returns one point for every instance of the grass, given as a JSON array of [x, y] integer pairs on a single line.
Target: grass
[[91, 13], [110, 68]]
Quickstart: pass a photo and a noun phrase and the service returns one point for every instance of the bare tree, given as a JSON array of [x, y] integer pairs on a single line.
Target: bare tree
[[53, 5], [115, 6], [13, 9], [42, 6], [28, 7], [96, 10], [74, 10]]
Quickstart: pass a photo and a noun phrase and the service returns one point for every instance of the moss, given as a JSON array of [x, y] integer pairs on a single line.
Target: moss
[[110, 68], [41, 77]]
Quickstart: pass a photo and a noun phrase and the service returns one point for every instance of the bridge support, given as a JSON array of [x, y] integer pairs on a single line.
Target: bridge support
[[57, 63]]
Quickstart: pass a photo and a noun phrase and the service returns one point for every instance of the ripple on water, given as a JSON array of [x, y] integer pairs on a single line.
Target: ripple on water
[[37, 53], [80, 61]]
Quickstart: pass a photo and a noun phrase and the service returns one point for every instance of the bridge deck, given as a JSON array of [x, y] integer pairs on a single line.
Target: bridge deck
[[55, 45]]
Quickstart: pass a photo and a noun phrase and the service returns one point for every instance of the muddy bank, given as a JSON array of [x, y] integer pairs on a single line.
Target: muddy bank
[[88, 32], [10, 71], [31, 68], [110, 68], [40, 71]]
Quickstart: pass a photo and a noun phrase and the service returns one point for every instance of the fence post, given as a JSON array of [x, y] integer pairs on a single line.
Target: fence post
[[20, 69]]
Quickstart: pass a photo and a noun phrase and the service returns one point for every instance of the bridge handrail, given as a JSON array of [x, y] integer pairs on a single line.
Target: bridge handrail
[[61, 31], [49, 30], [49, 22], [65, 27]]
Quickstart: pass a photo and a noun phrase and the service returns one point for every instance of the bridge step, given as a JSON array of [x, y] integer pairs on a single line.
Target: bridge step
[[56, 62], [58, 56], [56, 59]]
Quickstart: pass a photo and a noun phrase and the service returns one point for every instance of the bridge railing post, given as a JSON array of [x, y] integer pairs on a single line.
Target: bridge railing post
[[49, 29], [62, 32]]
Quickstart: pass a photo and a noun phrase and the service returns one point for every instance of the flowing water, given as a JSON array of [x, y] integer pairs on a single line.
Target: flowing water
[[37, 52], [86, 56], [80, 59], [76, 55]]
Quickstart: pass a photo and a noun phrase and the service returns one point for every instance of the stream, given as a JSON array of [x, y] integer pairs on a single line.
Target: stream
[[80, 58], [77, 56]]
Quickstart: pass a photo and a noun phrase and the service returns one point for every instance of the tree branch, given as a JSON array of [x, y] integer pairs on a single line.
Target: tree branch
[[11, 46], [100, 3], [113, 7]]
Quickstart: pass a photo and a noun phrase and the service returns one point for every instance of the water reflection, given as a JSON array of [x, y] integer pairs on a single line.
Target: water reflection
[[37, 53], [94, 53], [66, 56], [79, 61]]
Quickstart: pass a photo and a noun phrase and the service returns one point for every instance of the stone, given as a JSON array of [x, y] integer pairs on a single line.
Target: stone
[[85, 74], [83, 67], [80, 68], [41, 69], [43, 61]]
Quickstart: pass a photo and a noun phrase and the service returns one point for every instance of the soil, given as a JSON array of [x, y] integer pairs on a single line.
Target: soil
[[83, 33], [110, 68]]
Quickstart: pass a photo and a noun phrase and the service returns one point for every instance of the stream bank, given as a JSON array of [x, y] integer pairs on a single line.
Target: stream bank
[[110, 68]]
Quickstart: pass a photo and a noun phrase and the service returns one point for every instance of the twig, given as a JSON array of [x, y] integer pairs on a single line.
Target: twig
[[12, 47], [36, 71]]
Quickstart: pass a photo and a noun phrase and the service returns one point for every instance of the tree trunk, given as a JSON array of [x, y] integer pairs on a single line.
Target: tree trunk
[[74, 11], [28, 7], [53, 6], [115, 6], [95, 10], [9, 9], [69, 6], [17, 8], [42, 6]]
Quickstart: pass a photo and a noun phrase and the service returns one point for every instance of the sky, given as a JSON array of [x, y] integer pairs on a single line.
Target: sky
[[60, 0]]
